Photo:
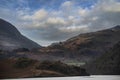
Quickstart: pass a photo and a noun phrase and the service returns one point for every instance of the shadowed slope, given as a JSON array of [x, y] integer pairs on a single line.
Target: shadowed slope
[[11, 38]]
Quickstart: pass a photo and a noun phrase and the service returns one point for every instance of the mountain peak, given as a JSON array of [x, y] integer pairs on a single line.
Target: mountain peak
[[2, 19], [11, 38], [8, 28], [116, 27]]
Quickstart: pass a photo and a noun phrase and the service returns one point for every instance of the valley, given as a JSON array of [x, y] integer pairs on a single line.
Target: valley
[[83, 55]]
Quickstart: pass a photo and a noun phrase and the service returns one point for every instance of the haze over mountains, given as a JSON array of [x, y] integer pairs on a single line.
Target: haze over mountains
[[11, 38]]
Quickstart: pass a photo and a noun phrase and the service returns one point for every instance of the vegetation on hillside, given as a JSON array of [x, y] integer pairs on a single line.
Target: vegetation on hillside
[[23, 62], [62, 68], [108, 63]]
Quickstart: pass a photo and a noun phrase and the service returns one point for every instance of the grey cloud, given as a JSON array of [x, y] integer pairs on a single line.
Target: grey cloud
[[49, 34]]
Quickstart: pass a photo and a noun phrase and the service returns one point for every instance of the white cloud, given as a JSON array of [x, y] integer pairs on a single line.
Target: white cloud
[[40, 14], [37, 15], [111, 6], [103, 15], [55, 20], [74, 28], [83, 12], [67, 4]]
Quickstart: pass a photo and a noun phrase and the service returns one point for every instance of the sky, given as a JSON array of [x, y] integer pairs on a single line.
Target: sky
[[49, 21]]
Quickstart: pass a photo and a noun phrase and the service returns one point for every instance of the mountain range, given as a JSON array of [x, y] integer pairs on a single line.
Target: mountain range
[[84, 47], [96, 52]]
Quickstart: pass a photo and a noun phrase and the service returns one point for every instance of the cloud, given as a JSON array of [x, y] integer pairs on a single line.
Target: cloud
[[68, 20], [37, 15], [55, 20], [103, 15]]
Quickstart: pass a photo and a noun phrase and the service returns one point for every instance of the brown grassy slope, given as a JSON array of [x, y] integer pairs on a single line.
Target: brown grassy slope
[[24, 67], [8, 70]]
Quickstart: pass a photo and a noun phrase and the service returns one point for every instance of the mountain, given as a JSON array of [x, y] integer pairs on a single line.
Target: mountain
[[84, 47], [11, 38], [108, 63]]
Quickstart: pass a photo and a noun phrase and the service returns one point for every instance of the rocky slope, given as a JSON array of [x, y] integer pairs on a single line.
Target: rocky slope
[[108, 63], [11, 38]]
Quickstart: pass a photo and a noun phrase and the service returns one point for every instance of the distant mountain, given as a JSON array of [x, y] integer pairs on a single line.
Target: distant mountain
[[84, 47], [11, 38], [108, 63], [94, 40]]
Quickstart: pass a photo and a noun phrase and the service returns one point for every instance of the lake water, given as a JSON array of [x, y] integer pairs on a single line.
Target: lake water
[[76, 64], [93, 77]]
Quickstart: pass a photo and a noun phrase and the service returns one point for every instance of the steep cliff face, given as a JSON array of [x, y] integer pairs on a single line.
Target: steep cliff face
[[11, 38]]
